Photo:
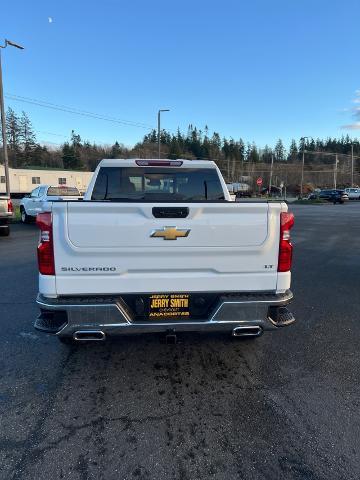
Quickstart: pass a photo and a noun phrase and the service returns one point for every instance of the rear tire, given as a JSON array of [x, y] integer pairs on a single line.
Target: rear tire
[[5, 231], [25, 218]]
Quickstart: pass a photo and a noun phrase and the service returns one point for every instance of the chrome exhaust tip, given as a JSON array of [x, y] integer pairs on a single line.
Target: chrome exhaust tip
[[243, 331], [89, 335]]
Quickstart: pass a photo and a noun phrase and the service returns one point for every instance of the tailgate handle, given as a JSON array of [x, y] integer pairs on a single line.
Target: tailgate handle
[[170, 212]]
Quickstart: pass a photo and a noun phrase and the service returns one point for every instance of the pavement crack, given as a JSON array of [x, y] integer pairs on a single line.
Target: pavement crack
[[72, 430]]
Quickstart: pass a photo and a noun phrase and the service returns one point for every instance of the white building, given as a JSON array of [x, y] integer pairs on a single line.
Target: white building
[[23, 180]]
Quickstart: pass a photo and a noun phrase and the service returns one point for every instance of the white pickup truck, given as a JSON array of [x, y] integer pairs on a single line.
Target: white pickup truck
[[37, 200], [157, 246], [6, 213]]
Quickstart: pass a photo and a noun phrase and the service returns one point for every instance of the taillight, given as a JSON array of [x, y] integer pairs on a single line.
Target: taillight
[[285, 247], [46, 247], [10, 206]]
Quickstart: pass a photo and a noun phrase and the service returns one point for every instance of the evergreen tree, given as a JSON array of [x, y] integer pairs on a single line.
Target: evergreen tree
[[248, 152], [241, 149], [216, 141], [279, 151], [68, 156], [150, 137], [13, 138], [116, 150], [42, 156], [266, 154], [225, 148], [311, 145], [175, 150], [302, 145], [71, 152], [254, 154], [293, 151], [27, 139]]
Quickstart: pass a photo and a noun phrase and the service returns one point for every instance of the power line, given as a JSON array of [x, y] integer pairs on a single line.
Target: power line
[[76, 111], [330, 153], [51, 133]]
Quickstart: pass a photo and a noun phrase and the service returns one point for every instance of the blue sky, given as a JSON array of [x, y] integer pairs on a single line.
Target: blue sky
[[256, 69]]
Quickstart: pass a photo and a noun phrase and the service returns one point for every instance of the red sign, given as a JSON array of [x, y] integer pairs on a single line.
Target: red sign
[[259, 181]]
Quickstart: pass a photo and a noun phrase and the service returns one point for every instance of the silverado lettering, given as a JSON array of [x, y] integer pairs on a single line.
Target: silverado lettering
[[88, 269]]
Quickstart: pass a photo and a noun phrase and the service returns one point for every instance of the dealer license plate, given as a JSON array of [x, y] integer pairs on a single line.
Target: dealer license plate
[[169, 306]]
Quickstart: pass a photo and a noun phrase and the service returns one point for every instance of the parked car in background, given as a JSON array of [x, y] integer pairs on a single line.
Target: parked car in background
[[335, 196], [239, 189], [312, 196], [38, 199], [6, 212], [353, 193]]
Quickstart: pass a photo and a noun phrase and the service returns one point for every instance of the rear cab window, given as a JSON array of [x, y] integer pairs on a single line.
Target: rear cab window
[[158, 184], [63, 192]]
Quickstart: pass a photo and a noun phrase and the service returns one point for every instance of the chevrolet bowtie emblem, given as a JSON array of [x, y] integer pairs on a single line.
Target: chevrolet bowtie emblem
[[170, 233]]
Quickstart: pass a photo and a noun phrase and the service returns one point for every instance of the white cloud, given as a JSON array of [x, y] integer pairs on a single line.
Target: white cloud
[[357, 97], [352, 126], [355, 111]]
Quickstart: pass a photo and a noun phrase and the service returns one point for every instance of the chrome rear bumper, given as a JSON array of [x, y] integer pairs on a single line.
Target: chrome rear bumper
[[109, 315]]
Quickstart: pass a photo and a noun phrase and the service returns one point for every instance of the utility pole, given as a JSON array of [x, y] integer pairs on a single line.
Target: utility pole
[[159, 113], [3, 121], [352, 165], [302, 173], [271, 172], [335, 171]]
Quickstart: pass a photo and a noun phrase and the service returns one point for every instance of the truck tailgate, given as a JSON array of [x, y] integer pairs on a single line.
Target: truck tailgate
[[110, 248], [3, 206]]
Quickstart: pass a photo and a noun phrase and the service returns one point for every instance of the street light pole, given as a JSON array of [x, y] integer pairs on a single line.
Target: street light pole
[[159, 113], [3, 121], [302, 167], [335, 171]]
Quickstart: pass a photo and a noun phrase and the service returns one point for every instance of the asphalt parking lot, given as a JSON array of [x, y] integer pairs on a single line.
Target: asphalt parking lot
[[285, 406]]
